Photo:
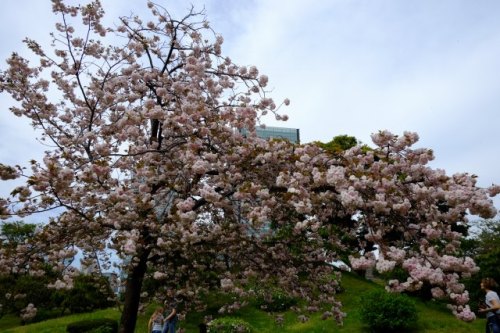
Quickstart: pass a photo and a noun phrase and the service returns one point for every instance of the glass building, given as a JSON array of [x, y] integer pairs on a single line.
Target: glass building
[[270, 132]]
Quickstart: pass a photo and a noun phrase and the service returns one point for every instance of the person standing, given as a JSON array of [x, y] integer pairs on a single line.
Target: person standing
[[170, 316], [492, 305], [155, 324]]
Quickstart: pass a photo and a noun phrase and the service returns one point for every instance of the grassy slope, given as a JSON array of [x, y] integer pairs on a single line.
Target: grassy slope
[[433, 318]]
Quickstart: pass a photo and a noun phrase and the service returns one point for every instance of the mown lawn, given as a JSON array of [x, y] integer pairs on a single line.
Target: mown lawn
[[433, 318]]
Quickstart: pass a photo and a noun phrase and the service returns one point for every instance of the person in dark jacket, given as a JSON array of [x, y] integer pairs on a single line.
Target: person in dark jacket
[[170, 316]]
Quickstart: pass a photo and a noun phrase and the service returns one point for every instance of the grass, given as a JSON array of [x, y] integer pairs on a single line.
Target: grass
[[59, 325], [433, 317]]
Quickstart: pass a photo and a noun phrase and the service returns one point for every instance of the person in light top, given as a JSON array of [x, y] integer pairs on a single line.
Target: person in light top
[[155, 324], [491, 306]]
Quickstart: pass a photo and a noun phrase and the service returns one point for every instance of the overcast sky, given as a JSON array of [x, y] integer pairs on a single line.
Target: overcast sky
[[348, 66]]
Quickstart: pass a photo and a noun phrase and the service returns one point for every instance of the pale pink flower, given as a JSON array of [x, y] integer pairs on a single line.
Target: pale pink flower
[[362, 263], [29, 312], [384, 266], [129, 247], [226, 284]]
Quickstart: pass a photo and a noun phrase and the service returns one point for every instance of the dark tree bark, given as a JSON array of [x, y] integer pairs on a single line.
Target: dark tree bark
[[132, 294]]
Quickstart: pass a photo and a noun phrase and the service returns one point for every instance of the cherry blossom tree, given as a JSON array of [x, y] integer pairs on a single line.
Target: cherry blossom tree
[[410, 211], [146, 157]]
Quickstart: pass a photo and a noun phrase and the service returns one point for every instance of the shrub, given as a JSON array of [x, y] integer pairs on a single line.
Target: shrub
[[103, 325], [274, 300], [45, 314], [388, 312], [33, 288], [229, 325], [89, 293]]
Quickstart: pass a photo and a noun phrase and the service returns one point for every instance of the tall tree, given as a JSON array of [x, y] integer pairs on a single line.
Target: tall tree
[[148, 159], [146, 152]]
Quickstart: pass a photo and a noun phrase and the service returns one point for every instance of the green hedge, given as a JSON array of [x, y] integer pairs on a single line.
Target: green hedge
[[388, 312]]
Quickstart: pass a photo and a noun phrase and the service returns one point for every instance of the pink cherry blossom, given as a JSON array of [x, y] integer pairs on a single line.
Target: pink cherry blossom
[[153, 154]]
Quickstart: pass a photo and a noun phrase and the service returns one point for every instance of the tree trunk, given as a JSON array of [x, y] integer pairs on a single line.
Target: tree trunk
[[132, 295]]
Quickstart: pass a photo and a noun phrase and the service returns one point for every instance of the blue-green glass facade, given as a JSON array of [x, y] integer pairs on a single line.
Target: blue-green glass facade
[[270, 132]]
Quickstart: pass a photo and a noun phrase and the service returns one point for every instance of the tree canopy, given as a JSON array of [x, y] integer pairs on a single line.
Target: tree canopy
[[147, 159], [16, 232]]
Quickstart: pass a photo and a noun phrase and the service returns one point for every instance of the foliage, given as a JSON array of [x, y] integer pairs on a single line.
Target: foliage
[[487, 251], [483, 247], [147, 158], [43, 314], [229, 325], [16, 232], [388, 312], [434, 318], [339, 143], [18, 290], [88, 293], [103, 325]]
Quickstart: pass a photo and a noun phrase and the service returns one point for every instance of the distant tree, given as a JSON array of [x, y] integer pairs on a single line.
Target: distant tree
[[14, 233], [17, 288], [339, 143], [146, 158], [487, 249], [88, 293], [483, 247]]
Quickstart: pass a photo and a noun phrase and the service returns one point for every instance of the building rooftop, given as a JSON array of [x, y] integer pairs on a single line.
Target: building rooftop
[[271, 132]]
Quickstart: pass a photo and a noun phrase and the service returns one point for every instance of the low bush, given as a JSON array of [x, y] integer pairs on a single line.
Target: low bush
[[388, 312], [274, 300], [46, 314], [103, 325], [229, 325]]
